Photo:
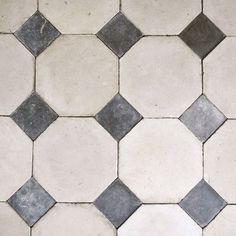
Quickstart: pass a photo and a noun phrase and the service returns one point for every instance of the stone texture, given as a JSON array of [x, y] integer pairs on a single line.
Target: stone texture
[[119, 34], [203, 203], [117, 203], [203, 118], [202, 35], [34, 116], [118, 117], [31, 202], [37, 33]]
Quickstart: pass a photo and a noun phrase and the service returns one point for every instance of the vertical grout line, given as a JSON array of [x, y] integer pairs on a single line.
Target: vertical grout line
[[118, 159], [120, 5], [30, 231], [34, 84], [32, 167], [37, 5], [202, 74], [118, 75], [203, 161], [202, 6]]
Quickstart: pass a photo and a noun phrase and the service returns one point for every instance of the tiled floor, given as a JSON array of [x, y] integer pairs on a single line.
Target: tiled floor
[[117, 118]]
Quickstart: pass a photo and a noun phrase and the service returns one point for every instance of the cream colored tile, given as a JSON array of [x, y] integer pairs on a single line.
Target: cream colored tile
[[220, 161], [164, 220], [224, 224], [14, 13], [10, 223], [160, 76], [75, 159], [77, 75], [219, 76], [15, 168], [160, 165], [16, 73], [74, 219], [159, 16], [79, 16]]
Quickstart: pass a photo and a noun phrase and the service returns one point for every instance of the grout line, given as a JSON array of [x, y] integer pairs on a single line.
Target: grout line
[[120, 5], [202, 6], [159, 118], [159, 203], [37, 5], [34, 83], [118, 75], [32, 164], [118, 159], [74, 203], [202, 72], [203, 161]]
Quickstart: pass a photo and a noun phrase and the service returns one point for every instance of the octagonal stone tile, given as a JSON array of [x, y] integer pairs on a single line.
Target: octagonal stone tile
[[16, 155], [77, 75], [159, 16], [220, 161], [219, 76], [11, 223], [15, 13], [75, 159], [16, 78], [159, 165], [79, 16], [74, 219], [160, 76], [153, 220]]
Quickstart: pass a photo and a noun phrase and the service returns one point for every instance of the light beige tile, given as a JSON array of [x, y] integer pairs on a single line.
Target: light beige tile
[[222, 13], [15, 168], [16, 73], [159, 16], [219, 76], [77, 75], [164, 220], [10, 223], [220, 161], [75, 159], [74, 219], [14, 13], [160, 160], [160, 76], [224, 224], [79, 16]]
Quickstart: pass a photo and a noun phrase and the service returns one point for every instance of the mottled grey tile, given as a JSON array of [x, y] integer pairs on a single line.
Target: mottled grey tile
[[31, 202], [202, 35], [117, 203], [118, 117], [203, 203], [37, 33], [119, 34], [202, 118], [33, 116]]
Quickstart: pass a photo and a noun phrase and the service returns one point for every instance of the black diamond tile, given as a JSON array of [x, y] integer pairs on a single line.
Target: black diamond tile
[[202, 118], [117, 203], [119, 34], [33, 116], [37, 33], [201, 35], [118, 117], [203, 203], [31, 202]]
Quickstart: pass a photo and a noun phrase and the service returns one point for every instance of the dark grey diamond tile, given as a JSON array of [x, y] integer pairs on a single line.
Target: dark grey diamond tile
[[117, 203], [37, 33], [119, 34], [118, 117], [203, 203], [203, 118], [201, 35], [33, 116], [31, 202]]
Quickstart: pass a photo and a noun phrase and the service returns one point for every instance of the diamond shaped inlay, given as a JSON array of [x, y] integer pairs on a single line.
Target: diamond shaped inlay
[[119, 34], [203, 203], [31, 202], [202, 118], [34, 116], [118, 117], [117, 203], [202, 35], [37, 33]]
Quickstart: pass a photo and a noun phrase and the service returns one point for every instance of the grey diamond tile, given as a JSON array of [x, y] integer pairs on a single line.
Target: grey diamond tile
[[37, 33], [203, 203], [117, 203], [202, 35], [202, 118], [119, 34], [118, 117], [31, 202], [34, 116]]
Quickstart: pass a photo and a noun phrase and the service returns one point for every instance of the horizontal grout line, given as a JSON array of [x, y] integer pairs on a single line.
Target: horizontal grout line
[[74, 202], [159, 203]]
